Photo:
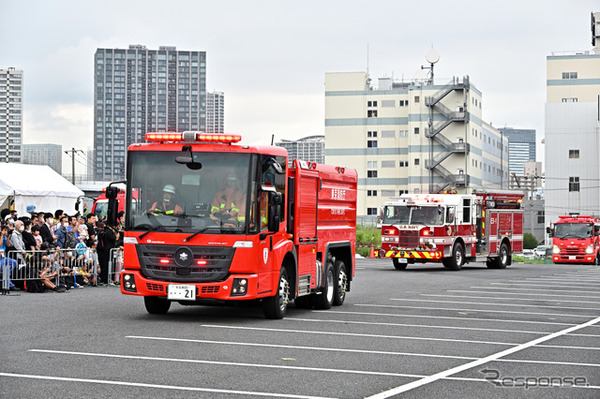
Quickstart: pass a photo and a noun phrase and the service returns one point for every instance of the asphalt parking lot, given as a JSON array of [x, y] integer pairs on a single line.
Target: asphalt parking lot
[[529, 330]]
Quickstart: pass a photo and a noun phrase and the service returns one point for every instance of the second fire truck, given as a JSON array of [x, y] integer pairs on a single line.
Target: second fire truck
[[485, 226], [575, 239]]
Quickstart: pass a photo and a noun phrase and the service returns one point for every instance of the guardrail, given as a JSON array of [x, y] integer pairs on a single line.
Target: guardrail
[[73, 266]]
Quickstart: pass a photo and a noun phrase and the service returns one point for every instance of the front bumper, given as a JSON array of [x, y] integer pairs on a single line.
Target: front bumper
[[579, 258], [222, 290], [417, 255]]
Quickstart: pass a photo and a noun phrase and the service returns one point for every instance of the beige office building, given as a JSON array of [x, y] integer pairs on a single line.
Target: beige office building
[[411, 137]]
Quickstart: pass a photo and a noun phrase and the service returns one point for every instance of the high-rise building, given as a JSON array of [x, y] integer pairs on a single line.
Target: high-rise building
[[572, 136], [11, 114], [136, 91], [215, 112], [309, 148], [521, 148], [411, 137], [43, 154]]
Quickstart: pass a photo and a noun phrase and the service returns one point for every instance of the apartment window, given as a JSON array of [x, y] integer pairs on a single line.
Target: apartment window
[[371, 173], [388, 164], [403, 103], [400, 192], [388, 134], [372, 164], [371, 134], [372, 211], [371, 103], [371, 193], [417, 161], [417, 99], [569, 75], [541, 217], [573, 153], [570, 100], [388, 103], [371, 143], [416, 130], [372, 114], [403, 164], [387, 193], [403, 133], [574, 184]]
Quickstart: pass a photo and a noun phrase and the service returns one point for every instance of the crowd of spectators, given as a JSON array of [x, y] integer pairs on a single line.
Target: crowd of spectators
[[49, 238]]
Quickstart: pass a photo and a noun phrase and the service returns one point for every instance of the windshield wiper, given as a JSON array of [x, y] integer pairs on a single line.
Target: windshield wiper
[[202, 230], [155, 228]]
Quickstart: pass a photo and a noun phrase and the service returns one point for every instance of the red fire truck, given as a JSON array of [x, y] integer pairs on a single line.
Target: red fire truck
[[453, 228], [575, 239], [290, 235]]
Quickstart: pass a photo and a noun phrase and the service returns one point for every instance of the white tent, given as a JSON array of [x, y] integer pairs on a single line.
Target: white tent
[[37, 185]]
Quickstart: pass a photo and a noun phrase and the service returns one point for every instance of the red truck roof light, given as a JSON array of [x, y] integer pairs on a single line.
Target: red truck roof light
[[193, 136]]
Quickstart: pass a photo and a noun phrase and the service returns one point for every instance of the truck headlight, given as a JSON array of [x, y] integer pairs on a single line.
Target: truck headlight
[[555, 249], [589, 250]]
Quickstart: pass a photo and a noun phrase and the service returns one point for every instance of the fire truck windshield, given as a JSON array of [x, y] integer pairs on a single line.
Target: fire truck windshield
[[423, 215], [573, 230], [210, 195]]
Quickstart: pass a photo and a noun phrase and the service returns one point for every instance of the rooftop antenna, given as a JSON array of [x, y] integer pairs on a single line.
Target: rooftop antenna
[[432, 57]]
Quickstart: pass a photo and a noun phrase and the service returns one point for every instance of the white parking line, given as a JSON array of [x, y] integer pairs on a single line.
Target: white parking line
[[503, 298], [338, 333], [311, 348], [550, 284], [492, 304], [158, 386], [459, 309], [561, 288], [587, 348], [548, 362], [449, 317], [487, 359], [212, 362], [418, 326], [520, 293]]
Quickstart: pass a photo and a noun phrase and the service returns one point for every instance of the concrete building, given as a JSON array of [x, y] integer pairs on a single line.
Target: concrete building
[[11, 114], [521, 149], [309, 148], [411, 137], [136, 91], [43, 154], [215, 112], [573, 130]]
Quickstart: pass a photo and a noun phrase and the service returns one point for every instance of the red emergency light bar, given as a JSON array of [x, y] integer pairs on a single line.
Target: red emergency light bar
[[193, 136]]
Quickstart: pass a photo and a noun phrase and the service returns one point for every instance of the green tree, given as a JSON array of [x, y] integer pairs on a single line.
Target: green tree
[[529, 241]]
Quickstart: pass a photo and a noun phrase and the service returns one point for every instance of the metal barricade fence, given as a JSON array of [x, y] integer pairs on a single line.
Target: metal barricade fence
[[48, 264], [115, 265]]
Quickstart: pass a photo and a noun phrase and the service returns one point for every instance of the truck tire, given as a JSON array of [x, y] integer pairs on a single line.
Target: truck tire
[[156, 305], [325, 299], [341, 283], [398, 265], [456, 261], [275, 307], [502, 260]]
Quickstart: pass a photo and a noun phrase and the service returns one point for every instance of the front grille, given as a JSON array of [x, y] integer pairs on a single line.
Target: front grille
[[574, 251], [216, 262], [155, 287], [210, 289], [408, 239]]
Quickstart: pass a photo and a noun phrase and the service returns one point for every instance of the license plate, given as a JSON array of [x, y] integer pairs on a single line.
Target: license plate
[[403, 260], [572, 257], [181, 292]]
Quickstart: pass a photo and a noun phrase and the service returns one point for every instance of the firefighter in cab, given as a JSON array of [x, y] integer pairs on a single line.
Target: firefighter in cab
[[167, 206], [227, 207]]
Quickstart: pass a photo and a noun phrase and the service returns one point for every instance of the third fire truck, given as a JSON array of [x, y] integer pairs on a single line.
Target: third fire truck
[[453, 228], [575, 239]]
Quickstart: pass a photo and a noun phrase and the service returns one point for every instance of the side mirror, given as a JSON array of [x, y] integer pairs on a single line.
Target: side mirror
[[549, 230], [113, 205], [274, 219]]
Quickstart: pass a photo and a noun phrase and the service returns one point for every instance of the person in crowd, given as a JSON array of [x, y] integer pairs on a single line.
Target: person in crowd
[[166, 206], [46, 228], [73, 226], [61, 231], [107, 238], [4, 259], [82, 229], [50, 268], [228, 204], [30, 209], [16, 239], [92, 219], [35, 230], [28, 238]]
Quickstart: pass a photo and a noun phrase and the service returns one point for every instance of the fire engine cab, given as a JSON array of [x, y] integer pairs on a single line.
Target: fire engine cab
[[208, 220], [453, 228], [575, 239]]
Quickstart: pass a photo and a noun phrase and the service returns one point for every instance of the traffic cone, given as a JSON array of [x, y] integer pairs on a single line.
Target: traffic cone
[[372, 253]]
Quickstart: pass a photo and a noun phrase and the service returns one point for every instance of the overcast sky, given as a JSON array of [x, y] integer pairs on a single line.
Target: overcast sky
[[270, 57]]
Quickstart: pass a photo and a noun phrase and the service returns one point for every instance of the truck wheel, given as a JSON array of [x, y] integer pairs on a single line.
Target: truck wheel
[[275, 307], [502, 260], [341, 283], [398, 265], [325, 299], [156, 305], [456, 261]]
